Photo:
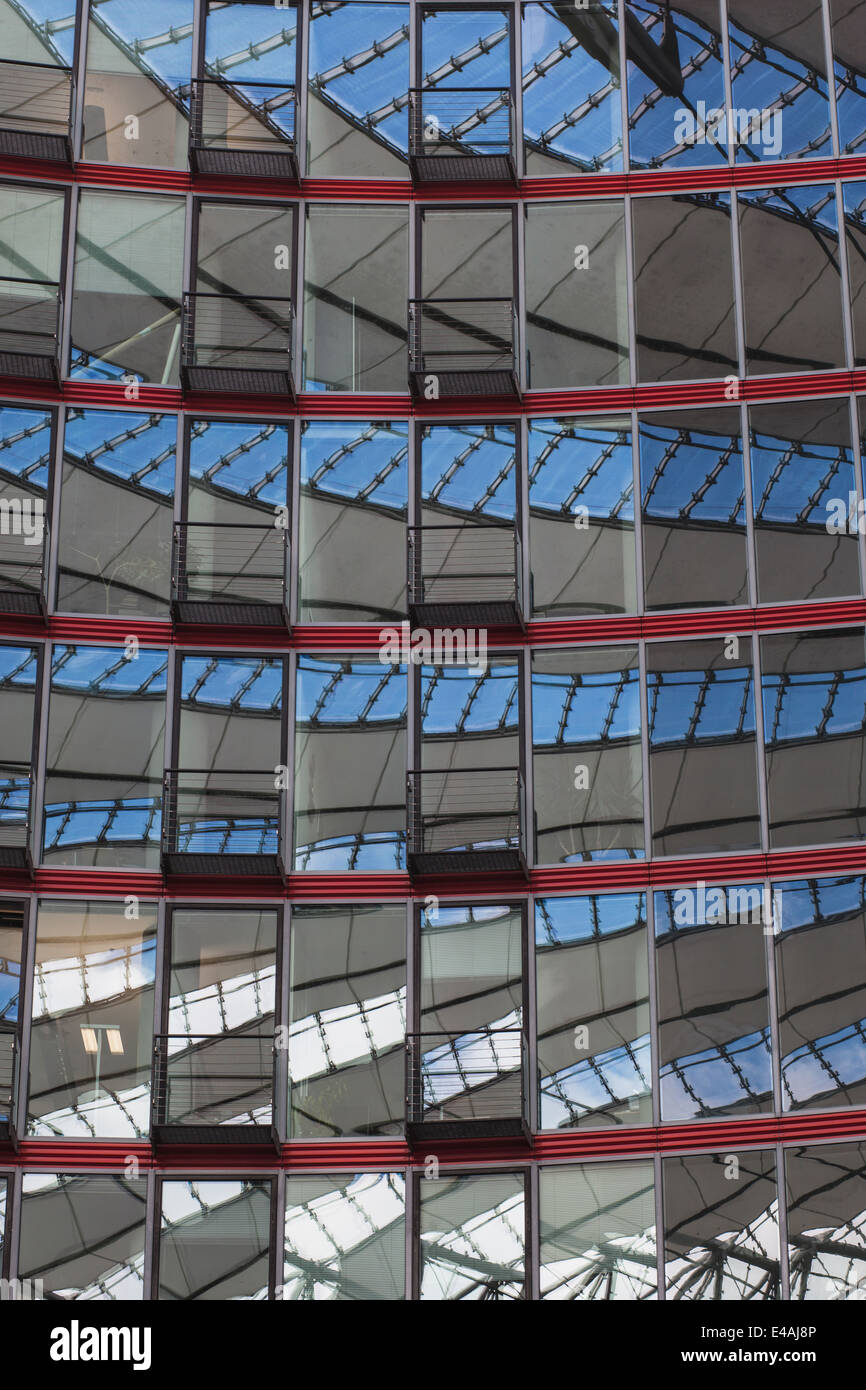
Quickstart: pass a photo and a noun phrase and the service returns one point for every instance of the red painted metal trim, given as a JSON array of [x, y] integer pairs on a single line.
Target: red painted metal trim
[[61, 1155], [581, 186]]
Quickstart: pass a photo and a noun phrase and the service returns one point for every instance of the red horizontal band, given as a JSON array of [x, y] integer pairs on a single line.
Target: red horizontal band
[[60, 1155], [782, 173]]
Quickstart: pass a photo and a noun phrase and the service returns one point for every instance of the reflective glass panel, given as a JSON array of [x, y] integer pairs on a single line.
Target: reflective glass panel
[[855, 234], [358, 91], [472, 1237], [83, 1237], [848, 21], [781, 104], [721, 1226], [598, 1232], [826, 1217], [676, 84], [345, 1238], [214, 1240], [572, 112]]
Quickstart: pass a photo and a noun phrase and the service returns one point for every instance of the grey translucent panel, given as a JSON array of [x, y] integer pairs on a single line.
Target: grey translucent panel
[[594, 1062], [694, 520], [820, 974], [254, 40], [357, 86], [789, 239], [116, 512], [214, 1240], [230, 712], [473, 1237], [703, 773], [802, 481], [581, 527], [598, 1232], [576, 311], [347, 1020], [467, 253], [356, 297], [30, 42], [468, 472], [83, 1237], [19, 667], [471, 968], [848, 28], [588, 780], [781, 104], [127, 287], [136, 92], [350, 764], [31, 233], [345, 1237], [245, 248], [855, 235], [713, 1012], [92, 1031], [676, 85], [104, 757], [222, 971], [814, 693], [470, 714], [352, 521], [721, 1226], [572, 112], [238, 471], [684, 287], [26, 458], [826, 1190]]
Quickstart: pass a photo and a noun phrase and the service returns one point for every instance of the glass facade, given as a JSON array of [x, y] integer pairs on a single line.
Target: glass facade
[[432, 667]]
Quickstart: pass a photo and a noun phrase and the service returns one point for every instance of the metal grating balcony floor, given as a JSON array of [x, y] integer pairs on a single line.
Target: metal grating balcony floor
[[502, 613], [223, 865], [497, 382], [494, 1127], [16, 857], [34, 365], [471, 861], [227, 613], [261, 164], [248, 1136], [23, 601], [33, 144], [463, 168], [240, 380]]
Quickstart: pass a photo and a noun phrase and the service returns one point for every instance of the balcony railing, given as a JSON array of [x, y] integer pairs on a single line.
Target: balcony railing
[[470, 1085], [237, 342], [221, 822], [213, 1088], [243, 128], [462, 133], [23, 555], [226, 573], [35, 110], [462, 347], [465, 575], [466, 820], [8, 1083], [16, 812], [30, 328]]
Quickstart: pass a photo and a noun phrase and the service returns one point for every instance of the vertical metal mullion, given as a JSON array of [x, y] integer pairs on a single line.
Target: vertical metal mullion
[[831, 80], [278, 1198], [749, 505], [294, 500], [530, 994], [739, 304], [623, 84], [730, 145], [637, 508], [630, 298], [13, 1220], [289, 721], [845, 279], [302, 33], [524, 660], [282, 1117], [652, 992], [412, 920], [782, 1190], [299, 361], [151, 1235], [771, 930], [658, 1194], [516, 54], [80, 82], [54, 505], [67, 274], [28, 967], [763, 795], [519, 253], [646, 797], [532, 1257], [40, 753]]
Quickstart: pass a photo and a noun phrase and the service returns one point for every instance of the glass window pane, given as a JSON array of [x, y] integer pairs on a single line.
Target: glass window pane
[[214, 1240], [116, 513], [245, 248], [572, 114], [576, 313], [347, 1020], [848, 20], [779, 80], [814, 696], [465, 253], [581, 528], [684, 288], [352, 522], [345, 1237], [230, 713], [791, 280], [468, 472], [694, 518], [676, 84], [238, 471], [588, 778], [350, 764], [103, 783], [32, 42], [356, 298], [826, 1209], [18, 676], [139, 61], [721, 1226], [126, 300], [598, 1232], [713, 1022], [702, 746], [358, 91], [26, 470], [31, 233], [855, 234], [595, 1068], [820, 973], [471, 968], [472, 1237], [92, 1035], [253, 39], [83, 1237], [802, 482]]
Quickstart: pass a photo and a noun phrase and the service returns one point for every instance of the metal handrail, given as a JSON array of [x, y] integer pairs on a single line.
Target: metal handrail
[[270, 132], [440, 822], [252, 334], [16, 820], [221, 819], [55, 115], [207, 1078], [27, 339], [473, 1074], [232, 580]]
